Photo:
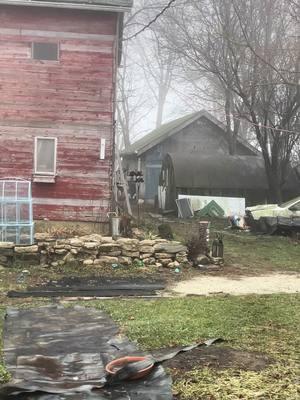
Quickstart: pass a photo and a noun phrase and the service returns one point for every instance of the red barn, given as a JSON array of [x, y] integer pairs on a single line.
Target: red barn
[[58, 62]]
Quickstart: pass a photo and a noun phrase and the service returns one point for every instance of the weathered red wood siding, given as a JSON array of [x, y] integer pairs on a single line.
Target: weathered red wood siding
[[71, 99]]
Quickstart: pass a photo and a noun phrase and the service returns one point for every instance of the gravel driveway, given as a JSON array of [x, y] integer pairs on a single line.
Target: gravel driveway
[[263, 284]]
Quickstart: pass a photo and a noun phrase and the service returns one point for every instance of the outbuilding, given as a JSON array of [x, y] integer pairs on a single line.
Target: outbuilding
[[219, 175], [199, 133]]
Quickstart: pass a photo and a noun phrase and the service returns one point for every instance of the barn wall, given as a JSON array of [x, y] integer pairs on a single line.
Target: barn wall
[[70, 99]]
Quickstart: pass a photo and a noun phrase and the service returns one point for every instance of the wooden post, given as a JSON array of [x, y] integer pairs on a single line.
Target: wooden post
[[124, 183]]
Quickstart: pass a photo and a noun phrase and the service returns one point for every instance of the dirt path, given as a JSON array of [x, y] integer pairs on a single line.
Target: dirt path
[[264, 284]]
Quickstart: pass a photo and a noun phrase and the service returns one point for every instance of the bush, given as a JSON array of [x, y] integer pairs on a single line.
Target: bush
[[196, 245], [165, 231], [4, 375]]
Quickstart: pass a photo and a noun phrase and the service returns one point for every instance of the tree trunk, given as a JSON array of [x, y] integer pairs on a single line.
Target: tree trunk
[[274, 181], [162, 96], [126, 139], [160, 112], [230, 134]]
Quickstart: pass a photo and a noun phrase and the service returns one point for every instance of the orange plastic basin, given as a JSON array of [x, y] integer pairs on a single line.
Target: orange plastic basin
[[114, 366]]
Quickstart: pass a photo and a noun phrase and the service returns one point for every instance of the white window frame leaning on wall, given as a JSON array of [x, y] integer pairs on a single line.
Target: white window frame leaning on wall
[[36, 171]]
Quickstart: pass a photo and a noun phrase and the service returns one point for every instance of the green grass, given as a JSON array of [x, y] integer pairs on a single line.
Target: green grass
[[4, 375], [246, 252], [277, 382], [256, 322], [258, 253], [268, 324]]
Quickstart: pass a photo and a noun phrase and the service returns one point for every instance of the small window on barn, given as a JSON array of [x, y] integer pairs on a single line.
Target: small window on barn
[[45, 51], [45, 156]]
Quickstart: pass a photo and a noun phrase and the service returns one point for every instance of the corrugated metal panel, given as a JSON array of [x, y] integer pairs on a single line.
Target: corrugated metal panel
[[200, 171], [219, 172]]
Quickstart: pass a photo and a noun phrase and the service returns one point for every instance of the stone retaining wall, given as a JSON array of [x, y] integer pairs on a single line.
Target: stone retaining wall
[[94, 251]]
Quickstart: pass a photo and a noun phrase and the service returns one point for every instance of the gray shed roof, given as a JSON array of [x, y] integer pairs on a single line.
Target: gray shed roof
[[166, 130], [97, 5], [234, 172]]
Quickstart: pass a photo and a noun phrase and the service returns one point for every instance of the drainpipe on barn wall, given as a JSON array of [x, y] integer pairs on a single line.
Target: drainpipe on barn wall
[[116, 61]]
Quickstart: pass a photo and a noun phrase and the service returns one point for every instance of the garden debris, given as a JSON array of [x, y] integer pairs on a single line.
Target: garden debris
[[202, 259], [238, 222], [212, 209], [184, 208], [217, 250], [278, 225]]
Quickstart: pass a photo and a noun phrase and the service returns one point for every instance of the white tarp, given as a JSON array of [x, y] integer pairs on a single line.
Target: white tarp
[[230, 205]]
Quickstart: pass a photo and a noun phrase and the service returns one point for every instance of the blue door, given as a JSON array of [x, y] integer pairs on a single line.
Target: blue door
[[152, 181]]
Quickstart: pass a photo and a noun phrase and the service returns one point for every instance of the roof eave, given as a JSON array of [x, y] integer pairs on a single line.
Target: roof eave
[[202, 113], [222, 126], [157, 141], [74, 6]]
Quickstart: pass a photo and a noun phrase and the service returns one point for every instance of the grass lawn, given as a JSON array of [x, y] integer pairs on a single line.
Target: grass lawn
[[262, 253], [267, 324], [245, 253]]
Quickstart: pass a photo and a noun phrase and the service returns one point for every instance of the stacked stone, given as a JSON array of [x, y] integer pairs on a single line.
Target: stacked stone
[[6, 253], [95, 251]]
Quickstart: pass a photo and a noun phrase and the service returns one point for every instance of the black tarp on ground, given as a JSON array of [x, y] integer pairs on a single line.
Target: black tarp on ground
[[60, 353], [93, 286]]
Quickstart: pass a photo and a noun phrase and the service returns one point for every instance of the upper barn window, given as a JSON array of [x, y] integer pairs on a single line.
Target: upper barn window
[[45, 51]]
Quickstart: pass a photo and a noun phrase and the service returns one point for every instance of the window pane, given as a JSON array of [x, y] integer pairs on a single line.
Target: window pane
[[45, 156], [296, 207], [45, 51]]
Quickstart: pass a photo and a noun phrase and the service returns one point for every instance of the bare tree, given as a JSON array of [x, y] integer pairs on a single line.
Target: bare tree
[[152, 56], [157, 65], [146, 73], [250, 48], [295, 9], [132, 104]]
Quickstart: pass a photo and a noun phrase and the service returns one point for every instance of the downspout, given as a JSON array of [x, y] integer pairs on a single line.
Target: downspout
[[116, 63]]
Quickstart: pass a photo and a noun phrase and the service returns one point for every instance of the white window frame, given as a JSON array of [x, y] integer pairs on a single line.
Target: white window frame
[[36, 172]]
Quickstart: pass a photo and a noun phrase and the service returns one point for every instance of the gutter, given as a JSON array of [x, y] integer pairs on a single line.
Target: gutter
[[95, 7]]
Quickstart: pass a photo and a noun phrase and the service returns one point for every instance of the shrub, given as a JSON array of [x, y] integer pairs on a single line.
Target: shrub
[[165, 231]]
